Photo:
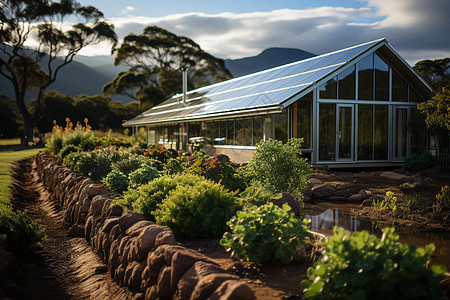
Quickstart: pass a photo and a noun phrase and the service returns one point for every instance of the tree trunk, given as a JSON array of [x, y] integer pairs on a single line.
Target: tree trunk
[[27, 138]]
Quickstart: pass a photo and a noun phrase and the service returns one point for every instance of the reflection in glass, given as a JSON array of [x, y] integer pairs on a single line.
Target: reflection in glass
[[345, 132], [418, 131], [400, 133], [230, 132], [281, 126], [258, 123], [221, 138], [381, 79], [327, 131], [248, 128], [329, 89], [304, 106], [413, 97], [346, 85], [365, 132], [381, 132], [238, 132], [399, 88], [365, 78]]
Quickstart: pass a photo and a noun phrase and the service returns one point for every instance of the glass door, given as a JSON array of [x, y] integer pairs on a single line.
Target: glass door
[[345, 132], [400, 133]]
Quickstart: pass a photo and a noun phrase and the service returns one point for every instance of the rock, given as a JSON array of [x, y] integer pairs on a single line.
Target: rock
[[109, 224], [393, 175], [323, 191], [76, 231], [355, 198], [163, 289], [307, 191], [287, 198], [129, 218], [128, 271], [136, 229], [337, 198], [139, 296], [97, 204], [307, 198], [233, 290], [366, 193], [314, 181], [208, 284], [147, 238], [136, 276], [165, 238], [342, 192], [189, 280], [354, 189]]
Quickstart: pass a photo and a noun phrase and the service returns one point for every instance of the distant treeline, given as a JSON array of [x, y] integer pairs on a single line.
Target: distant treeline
[[102, 112]]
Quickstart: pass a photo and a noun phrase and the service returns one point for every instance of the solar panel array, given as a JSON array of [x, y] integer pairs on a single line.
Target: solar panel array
[[259, 90]]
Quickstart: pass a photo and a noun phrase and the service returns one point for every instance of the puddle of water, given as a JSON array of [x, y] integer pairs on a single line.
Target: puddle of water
[[324, 216]]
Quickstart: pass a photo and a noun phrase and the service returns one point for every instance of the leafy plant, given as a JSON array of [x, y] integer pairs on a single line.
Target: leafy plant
[[442, 200], [65, 150], [117, 181], [94, 164], [363, 266], [129, 163], [258, 193], [197, 211], [280, 165], [389, 202], [419, 161], [142, 175], [23, 235], [263, 233], [145, 198]]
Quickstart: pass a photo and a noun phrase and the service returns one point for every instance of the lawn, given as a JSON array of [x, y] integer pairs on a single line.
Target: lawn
[[7, 158]]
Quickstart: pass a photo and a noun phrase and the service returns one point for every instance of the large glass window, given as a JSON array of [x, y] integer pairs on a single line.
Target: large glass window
[[346, 86], [381, 79], [381, 132], [221, 137], [413, 97], [281, 126], [365, 132], [399, 88], [248, 128], [418, 130], [208, 132], [230, 132], [258, 125], [329, 89], [304, 107], [238, 132], [400, 132], [365, 78], [327, 132]]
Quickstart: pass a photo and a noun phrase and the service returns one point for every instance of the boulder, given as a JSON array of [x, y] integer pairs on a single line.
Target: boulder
[[355, 198], [136, 229], [109, 224], [163, 289], [291, 201], [233, 289], [147, 238], [129, 218], [342, 192], [337, 198], [208, 284], [323, 191], [393, 175], [314, 181]]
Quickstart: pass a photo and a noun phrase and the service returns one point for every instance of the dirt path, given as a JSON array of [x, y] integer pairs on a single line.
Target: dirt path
[[65, 267]]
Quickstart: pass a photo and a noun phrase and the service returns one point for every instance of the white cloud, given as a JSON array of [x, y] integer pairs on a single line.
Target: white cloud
[[127, 10], [416, 28]]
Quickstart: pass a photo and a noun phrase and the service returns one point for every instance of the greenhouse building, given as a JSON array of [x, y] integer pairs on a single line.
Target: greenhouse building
[[352, 107]]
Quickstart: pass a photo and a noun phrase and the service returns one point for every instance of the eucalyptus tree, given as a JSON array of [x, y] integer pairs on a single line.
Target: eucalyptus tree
[[37, 39], [155, 58]]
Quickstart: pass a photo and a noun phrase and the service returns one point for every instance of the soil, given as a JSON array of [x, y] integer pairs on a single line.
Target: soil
[[66, 267]]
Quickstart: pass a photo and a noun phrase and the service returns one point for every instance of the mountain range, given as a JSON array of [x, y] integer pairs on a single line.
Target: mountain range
[[88, 74]]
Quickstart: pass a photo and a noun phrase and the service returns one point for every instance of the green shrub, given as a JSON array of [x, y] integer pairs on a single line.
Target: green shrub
[[76, 137], [258, 193], [129, 163], [264, 233], [419, 161], [442, 200], [55, 143], [280, 165], [67, 149], [117, 181], [22, 234], [145, 198], [142, 175], [71, 159], [415, 183], [363, 266], [197, 211], [94, 164]]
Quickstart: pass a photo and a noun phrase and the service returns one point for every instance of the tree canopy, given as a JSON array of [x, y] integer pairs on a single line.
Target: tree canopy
[[43, 23], [435, 72], [155, 58]]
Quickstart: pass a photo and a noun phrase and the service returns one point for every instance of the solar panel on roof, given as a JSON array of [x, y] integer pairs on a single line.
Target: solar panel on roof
[[264, 89]]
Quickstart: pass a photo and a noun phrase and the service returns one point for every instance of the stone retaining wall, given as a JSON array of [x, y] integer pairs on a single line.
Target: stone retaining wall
[[139, 254]]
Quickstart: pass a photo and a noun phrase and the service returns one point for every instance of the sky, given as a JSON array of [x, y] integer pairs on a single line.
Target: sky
[[417, 29]]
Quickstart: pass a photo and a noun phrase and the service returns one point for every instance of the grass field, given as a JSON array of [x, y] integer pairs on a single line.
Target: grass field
[[7, 158], [8, 142]]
